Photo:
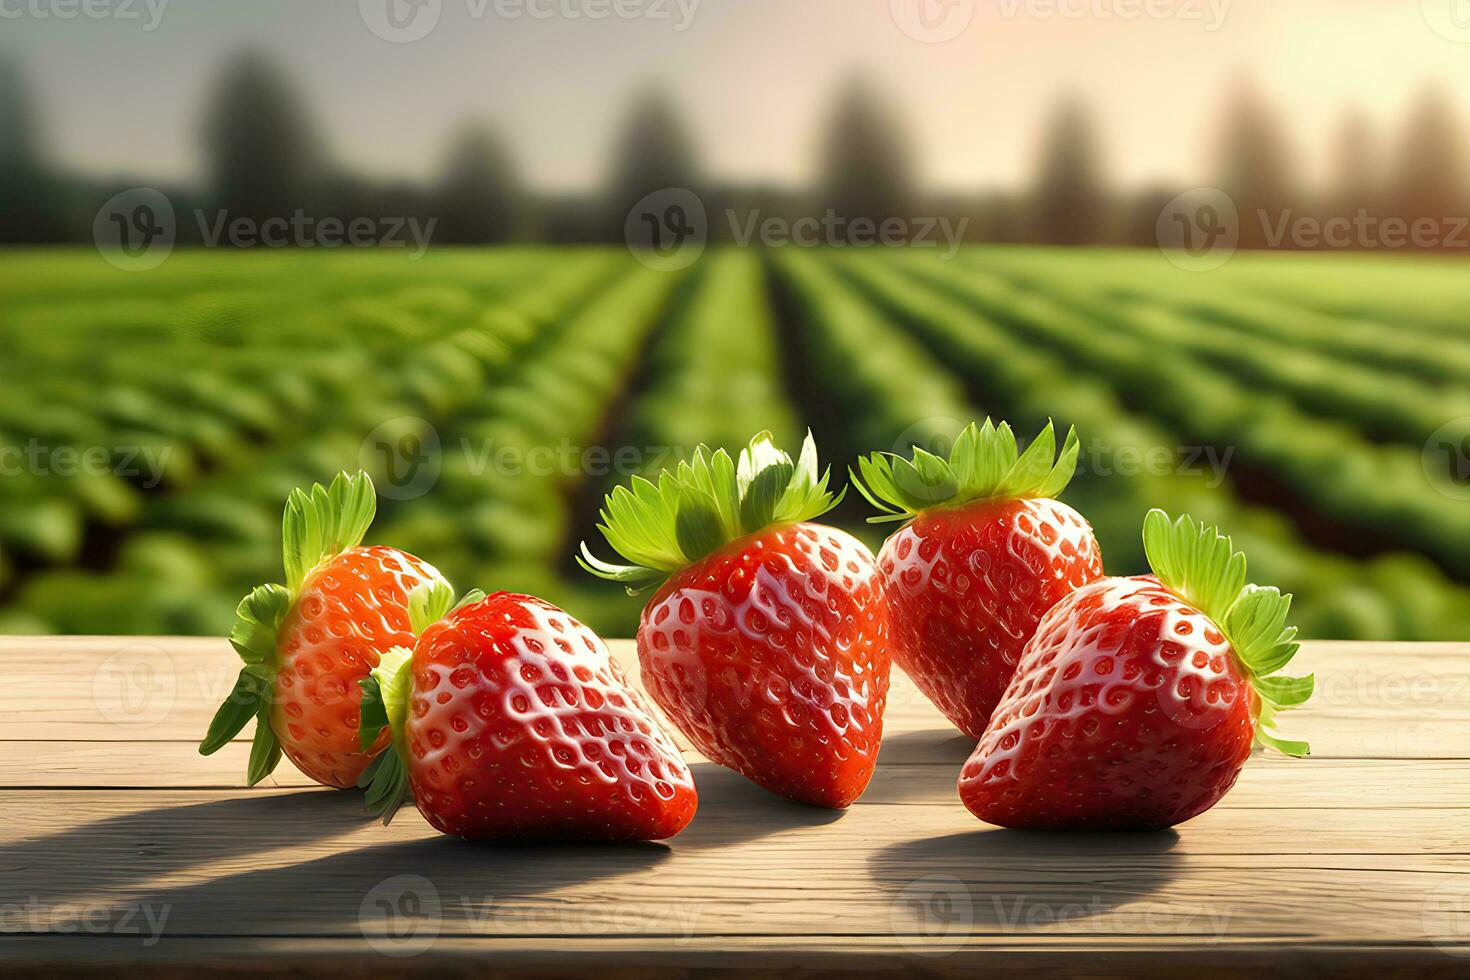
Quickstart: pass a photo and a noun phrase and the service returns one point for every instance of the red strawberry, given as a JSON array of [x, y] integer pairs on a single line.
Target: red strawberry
[[510, 719], [1137, 701], [766, 645], [308, 643], [985, 553]]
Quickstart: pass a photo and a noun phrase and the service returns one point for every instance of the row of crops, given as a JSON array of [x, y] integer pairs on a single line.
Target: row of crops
[[150, 424]]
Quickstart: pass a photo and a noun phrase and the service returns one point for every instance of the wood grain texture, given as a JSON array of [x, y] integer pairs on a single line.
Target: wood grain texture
[[122, 849]]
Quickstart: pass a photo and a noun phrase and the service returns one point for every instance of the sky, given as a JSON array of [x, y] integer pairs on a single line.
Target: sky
[[122, 91]]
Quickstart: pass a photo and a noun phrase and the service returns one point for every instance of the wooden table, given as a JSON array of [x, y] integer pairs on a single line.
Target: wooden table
[[121, 847]]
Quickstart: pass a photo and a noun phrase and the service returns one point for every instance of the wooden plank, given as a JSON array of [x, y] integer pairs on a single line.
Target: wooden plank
[[656, 958], [1356, 860], [919, 768], [309, 864], [1374, 700]]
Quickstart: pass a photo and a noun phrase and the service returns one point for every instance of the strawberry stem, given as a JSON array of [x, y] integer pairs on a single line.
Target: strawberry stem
[[701, 505], [322, 523], [984, 464]]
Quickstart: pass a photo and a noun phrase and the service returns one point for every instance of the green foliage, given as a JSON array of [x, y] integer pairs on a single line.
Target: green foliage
[[219, 382], [980, 327]]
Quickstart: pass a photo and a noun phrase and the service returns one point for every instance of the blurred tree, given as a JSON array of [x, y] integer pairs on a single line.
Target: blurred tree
[[18, 150], [1256, 169], [999, 217], [654, 152], [28, 201], [866, 167], [1071, 199], [477, 201], [262, 152], [1356, 179], [1140, 215], [1429, 180]]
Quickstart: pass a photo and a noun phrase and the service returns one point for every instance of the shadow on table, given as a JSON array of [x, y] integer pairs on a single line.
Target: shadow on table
[[920, 767], [939, 746], [732, 809], [991, 879], [122, 857], [120, 851], [399, 892]]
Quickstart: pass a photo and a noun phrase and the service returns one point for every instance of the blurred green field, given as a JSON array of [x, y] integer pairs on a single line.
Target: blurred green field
[[152, 423]]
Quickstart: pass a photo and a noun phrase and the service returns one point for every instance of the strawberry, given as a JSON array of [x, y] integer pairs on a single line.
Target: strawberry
[[510, 719], [308, 643], [984, 554], [1137, 701], [765, 641]]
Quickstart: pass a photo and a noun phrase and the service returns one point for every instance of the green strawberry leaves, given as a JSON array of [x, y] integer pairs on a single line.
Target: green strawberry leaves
[[428, 603], [385, 785], [257, 621], [265, 748], [324, 522], [984, 463], [250, 694], [385, 694], [1195, 562], [1200, 565], [701, 505]]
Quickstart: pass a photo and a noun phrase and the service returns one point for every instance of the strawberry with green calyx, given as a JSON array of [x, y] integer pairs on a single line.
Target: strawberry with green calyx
[[765, 642], [510, 719], [985, 552], [1138, 700], [307, 643]]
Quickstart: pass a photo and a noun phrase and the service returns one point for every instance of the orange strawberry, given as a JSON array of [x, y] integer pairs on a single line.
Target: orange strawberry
[[308, 643]]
